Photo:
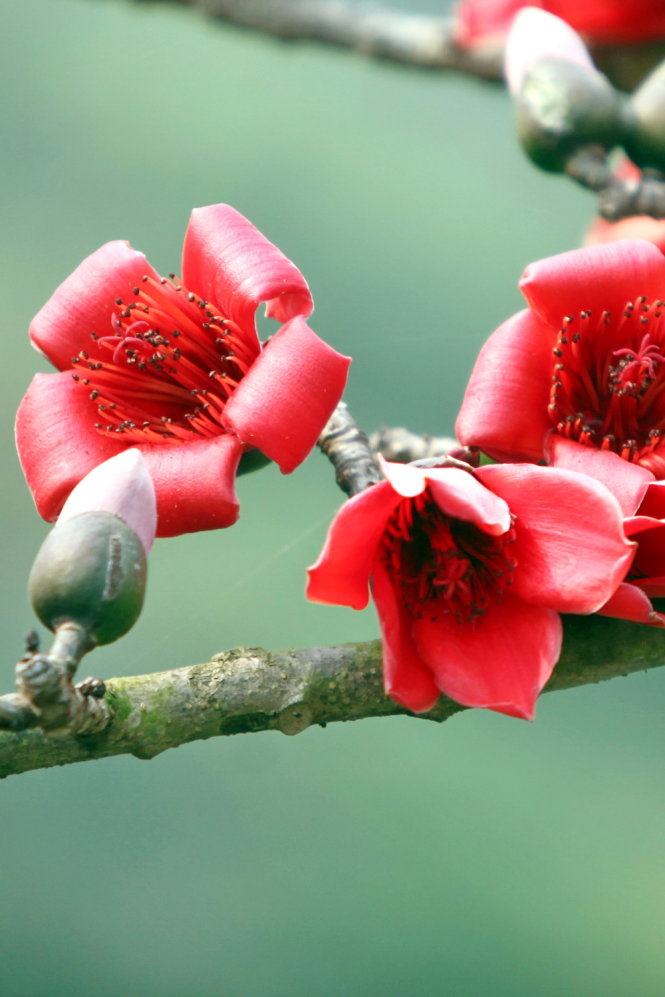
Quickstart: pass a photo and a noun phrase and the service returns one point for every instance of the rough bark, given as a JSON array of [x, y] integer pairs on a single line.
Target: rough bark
[[249, 689]]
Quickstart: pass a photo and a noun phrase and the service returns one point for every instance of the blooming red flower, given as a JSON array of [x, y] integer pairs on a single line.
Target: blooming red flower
[[176, 369], [469, 571], [480, 22], [579, 378]]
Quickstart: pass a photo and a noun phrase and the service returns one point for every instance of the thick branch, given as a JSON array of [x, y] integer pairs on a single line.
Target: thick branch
[[249, 689]]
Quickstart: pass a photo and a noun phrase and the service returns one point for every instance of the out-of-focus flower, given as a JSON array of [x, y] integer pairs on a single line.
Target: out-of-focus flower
[[563, 105], [578, 379], [91, 569], [469, 570], [176, 369], [479, 22]]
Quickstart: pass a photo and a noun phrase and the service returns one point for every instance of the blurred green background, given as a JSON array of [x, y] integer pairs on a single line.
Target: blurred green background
[[487, 856]]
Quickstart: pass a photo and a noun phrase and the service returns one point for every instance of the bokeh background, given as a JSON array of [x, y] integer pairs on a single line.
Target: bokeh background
[[486, 856]]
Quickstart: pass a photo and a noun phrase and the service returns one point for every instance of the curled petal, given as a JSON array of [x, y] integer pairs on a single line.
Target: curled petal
[[628, 482], [559, 514], [226, 260], [631, 603], [194, 483], [596, 279], [504, 410], [56, 440], [499, 661], [285, 399], [460, 495], [407, 480], [405, 677], [86, 301], [341, 574]]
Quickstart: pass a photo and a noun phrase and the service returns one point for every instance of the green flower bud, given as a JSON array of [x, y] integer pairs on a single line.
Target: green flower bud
[[90, 570], [645, 122], [563, 107]]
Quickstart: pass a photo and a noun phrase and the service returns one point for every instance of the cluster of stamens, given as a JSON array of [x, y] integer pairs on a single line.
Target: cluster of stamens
[[173, 363], [434, 558], [608, 381]]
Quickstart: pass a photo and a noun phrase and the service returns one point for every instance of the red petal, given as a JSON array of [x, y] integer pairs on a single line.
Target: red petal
[[630, 603], [227, 261], [288, 395], [341, 574], [504, 411], [569, 546], [627, 482], [56, 440], [498, 661], [85, 302], [596, 279], [58, 445], [653, 503], [460, 495], [195, 484], [405, 676]]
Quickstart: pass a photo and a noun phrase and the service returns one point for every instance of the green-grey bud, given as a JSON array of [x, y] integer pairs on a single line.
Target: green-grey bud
[[90, 570], [645, 122], [563, 107]]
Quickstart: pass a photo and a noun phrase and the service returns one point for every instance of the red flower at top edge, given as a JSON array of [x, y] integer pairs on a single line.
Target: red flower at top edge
[[469, 571], [578, 379], [175, 368], [606, 22]]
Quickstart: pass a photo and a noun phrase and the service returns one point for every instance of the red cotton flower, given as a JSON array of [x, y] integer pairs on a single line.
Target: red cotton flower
[[175, 368], [578, 379], [469, 570], [606, 22]]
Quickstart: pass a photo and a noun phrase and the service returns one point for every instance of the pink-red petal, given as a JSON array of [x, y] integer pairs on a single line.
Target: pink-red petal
[[628, 482], [460, 495], [569, 545], [56, 440], [504, 411], [86, 301], [341, 574], [227, 261], [596, 279], [194, 483], [290, 391], [499, 661], [58, 445], [406, 678], [631, 603]]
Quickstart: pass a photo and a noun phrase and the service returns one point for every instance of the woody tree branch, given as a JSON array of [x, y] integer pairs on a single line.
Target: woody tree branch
[[249, 689]]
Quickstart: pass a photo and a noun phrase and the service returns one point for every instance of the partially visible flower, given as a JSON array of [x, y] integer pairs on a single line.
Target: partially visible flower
[[482, 22], [176, 369], [634, 227], [578, 379], [91, 569], [469, 570]]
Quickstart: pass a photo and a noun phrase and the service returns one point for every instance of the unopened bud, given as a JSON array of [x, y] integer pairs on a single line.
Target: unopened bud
[[90, 570], [563, 107], [645, 122]]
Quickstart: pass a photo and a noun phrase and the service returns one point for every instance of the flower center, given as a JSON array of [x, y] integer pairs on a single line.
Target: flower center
[[432, 557], [173, 362], [608, 382]]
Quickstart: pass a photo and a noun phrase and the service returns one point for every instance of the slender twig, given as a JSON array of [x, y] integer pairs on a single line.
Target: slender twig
[[401, 445], [248, 689], [346, 447]]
